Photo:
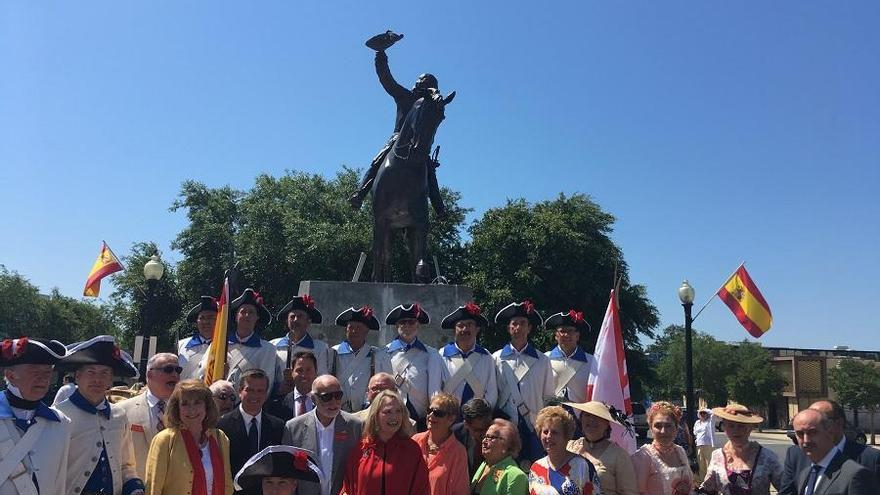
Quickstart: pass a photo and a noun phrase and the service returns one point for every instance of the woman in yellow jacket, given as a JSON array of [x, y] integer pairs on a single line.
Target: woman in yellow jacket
[[190, 456]]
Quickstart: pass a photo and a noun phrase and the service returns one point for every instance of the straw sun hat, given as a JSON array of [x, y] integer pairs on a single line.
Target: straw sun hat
[[595, 408], [737, 414]]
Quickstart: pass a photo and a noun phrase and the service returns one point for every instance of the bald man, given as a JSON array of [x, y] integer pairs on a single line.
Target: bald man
[[328, 431], [796, 460], [378, 382]]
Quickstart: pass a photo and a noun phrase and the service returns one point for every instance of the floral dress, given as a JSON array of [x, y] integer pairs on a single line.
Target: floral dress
[[655, 477], [575, 477], [721, 480]]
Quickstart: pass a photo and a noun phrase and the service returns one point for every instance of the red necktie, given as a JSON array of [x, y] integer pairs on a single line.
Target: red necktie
[[301, 405]]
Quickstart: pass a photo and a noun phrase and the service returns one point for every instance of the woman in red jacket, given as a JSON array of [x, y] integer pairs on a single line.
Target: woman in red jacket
[[387, 461]]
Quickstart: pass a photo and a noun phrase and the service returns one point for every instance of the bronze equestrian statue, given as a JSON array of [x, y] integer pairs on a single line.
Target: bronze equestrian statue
[[402, 176]]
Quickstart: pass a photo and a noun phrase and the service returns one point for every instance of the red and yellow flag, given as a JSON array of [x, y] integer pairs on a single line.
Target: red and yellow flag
[[215, 368], [742, 296], [106, 264]]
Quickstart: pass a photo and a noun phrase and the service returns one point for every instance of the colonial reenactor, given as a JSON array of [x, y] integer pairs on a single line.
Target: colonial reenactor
[[570, 363], [101, 458], [416, 367], [297, 315], [356, 360], [276, 470], [470, 367], [525, 379], [192, 349], [34, 438], [245, 348]]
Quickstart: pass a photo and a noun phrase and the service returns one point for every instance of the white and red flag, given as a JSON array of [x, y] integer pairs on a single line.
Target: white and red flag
[[609, 382]]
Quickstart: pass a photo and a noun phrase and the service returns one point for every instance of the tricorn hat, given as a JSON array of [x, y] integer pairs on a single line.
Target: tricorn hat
[[279, 461], [303, 303], [100, 350], [571, 318], [30, 351], [252, 297], [404, 311], [469, 311], [206, 303], [526, 309], [383, 41], [363, 315]]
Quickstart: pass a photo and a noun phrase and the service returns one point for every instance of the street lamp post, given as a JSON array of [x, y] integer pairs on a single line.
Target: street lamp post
[[686, 295], [153, 271]]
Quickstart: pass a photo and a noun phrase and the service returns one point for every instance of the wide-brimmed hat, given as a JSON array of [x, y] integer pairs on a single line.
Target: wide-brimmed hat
[[405, 311], [738, 414], [281, 461], [206, 303], [363, 315], [525, 309], [30, 351], [302, 303], [100, 350], [383, 41], [252, 297], [570, 318], [469, 311], [595, 408]]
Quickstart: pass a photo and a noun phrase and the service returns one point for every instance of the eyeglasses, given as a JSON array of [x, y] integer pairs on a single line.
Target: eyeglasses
[[492, 438], [438, 413], [224, 396], [328, 396], [169, 369]]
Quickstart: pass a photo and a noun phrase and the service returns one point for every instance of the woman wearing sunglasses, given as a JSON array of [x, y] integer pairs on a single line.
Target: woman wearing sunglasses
[[445, 456], [387, 461]]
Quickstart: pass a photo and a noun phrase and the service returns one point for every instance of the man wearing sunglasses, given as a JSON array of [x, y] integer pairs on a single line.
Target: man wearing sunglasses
[[328, 431], [146, 412]]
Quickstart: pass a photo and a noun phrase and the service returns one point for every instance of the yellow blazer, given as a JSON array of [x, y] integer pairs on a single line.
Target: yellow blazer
[[169, 471]]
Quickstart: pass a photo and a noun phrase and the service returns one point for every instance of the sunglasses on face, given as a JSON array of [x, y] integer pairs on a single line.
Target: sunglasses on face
[[328, 396], [224, 396], [437, 413], [169, 369]]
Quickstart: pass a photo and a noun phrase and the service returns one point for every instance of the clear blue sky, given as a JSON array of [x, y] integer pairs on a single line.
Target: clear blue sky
[[715, 132]]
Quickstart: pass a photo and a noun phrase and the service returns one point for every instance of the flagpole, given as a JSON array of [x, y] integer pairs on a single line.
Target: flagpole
[[715, 294], [118, 259]]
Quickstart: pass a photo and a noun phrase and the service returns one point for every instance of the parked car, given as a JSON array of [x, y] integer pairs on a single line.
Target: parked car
[[640, 420], [851, 433]]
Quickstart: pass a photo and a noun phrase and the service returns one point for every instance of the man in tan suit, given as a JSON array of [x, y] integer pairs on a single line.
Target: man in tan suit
[[145, 412]]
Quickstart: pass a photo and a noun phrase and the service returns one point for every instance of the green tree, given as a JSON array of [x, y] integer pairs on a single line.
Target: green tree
[[129, 302], [711, 361], [559, 254], [26, 312], [755, 381], [857, 385]]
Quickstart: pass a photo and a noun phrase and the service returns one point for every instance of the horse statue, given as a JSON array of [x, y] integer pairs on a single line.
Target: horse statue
[[400, 190]]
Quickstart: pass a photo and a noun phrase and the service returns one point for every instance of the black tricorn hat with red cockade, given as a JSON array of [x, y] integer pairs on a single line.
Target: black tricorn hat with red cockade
[[526, 309], [206, 303], [405, 311], [302, 303], [469, 311], [570, 318], [100, 350], [363, 315], [30, 351], [278, 461], [252, 297]]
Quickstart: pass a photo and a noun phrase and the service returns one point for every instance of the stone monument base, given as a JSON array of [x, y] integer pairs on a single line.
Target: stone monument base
[[333, 298]]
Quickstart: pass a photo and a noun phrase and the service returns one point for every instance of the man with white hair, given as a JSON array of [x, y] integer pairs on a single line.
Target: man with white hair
[[34, 438], [328, 431], [146, 412], [224, 396]]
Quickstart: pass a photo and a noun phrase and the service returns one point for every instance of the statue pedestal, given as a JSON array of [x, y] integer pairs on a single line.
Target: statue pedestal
[[333, 298]]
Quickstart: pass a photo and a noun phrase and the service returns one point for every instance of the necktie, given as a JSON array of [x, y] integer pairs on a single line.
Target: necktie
[[160, 414], [301, 405], [811, 480], [253, 437]]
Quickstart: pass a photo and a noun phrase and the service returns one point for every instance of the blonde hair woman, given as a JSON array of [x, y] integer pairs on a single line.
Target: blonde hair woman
[[387, 461], [190, 455], [444, 455], [561, 471]]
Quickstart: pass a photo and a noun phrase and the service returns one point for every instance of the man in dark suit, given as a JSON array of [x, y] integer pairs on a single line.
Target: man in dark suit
[[796, 460], [476, 417], [249, 429], [830, 471], [327, 431]]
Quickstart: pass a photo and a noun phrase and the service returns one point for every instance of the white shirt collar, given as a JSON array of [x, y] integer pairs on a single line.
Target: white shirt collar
[[321, 427], [247, 417], [152, 400]]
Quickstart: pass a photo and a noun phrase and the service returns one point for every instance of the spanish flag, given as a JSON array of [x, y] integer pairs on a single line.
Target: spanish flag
[[742, 296], [215, 367], [106, 264]]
